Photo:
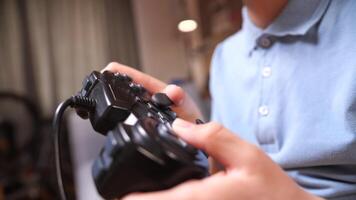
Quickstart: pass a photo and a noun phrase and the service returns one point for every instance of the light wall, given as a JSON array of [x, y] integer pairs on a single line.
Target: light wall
[[161, 49]]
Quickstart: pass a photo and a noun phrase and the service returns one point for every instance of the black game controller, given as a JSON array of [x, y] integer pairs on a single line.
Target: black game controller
[[146, 156]]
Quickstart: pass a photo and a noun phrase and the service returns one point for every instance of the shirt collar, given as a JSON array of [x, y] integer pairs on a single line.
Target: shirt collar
[[297, 18]]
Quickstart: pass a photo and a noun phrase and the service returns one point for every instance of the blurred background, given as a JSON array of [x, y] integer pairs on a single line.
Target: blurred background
[[47, 47]]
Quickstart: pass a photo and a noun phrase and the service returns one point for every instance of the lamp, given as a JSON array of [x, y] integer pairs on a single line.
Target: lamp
[[187, 25]]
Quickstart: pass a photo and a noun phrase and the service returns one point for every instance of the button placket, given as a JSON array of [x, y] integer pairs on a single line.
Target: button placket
[[264, 109], [266, 134]]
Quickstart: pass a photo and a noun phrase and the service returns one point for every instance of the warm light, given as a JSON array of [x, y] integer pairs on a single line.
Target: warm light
[[187, 25]]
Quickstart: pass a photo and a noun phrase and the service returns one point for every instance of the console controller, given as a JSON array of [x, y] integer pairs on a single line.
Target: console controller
[[145, 156]]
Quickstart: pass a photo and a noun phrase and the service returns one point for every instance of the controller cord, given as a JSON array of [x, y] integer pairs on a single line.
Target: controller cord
[[76, 102]]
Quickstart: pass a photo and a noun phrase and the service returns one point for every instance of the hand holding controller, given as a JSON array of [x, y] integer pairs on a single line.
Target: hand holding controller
[[146, 156]]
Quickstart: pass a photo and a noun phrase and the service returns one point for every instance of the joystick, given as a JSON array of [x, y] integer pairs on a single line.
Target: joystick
[[145, 156]]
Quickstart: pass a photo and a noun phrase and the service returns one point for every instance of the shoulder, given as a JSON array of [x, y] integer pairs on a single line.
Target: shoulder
[[340, 17], [228, 49], [225, 55], [230, 44], [338, 29]]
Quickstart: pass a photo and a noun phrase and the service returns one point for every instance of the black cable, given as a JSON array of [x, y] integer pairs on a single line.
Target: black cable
[[75, 101], [57, 149]]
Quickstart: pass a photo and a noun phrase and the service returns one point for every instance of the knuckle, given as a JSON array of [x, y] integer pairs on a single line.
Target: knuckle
[[214, 127], [254, 158], [237, 177]]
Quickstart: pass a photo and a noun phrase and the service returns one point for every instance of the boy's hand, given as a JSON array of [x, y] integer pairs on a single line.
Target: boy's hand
[[184, 105], [250, 174]]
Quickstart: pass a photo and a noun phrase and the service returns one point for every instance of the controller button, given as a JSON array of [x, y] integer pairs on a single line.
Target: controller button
[[161, 115], [137, 88], [172, 115], [149, 105], [123, 77], [117, 75], [126, 77], [162, 100], [145, 96]]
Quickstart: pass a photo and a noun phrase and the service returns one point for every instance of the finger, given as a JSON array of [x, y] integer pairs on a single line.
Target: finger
[[179, 192], [213, 187], [175, 93], [184, 106], [217, 141], [151, 84]]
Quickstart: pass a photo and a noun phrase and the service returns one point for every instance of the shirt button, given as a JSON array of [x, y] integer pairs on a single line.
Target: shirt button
[[266, 72], [263, 110], [265, 41]]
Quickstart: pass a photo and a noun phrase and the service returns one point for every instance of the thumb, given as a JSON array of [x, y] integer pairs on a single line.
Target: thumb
[[183, 104], [175, 94], [214, 139]]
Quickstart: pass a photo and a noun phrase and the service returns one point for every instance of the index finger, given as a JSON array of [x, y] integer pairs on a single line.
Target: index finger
[[150, 83], [220, 143]]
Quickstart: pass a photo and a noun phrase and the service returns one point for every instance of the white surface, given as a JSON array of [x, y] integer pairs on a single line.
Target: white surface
[[85, 146]]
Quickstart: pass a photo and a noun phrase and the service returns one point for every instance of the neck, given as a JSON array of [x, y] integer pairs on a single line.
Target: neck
[[263, 12]]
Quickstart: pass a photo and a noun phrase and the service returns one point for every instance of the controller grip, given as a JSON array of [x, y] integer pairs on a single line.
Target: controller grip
[[129, 163]]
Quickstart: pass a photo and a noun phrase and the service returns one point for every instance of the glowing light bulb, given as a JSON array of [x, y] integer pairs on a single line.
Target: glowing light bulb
[[188, 25]]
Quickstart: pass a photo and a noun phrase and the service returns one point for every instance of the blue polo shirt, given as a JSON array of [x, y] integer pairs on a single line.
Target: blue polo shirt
[[291, 90]]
